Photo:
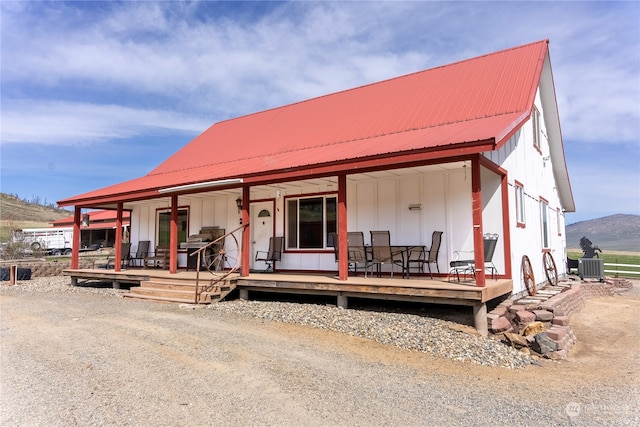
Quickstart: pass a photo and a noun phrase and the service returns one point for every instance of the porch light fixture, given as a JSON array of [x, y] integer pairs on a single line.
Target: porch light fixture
[[239, 204], [199, 185], [415, 207]]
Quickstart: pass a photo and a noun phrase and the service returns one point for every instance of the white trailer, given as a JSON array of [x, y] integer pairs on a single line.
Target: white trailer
[[55, 241]]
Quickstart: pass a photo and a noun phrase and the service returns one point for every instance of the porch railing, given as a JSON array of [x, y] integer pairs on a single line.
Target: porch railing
[[214, 261]]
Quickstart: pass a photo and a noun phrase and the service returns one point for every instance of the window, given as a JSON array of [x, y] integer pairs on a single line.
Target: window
[[310, 220], [164, 226], [519, 205], [535, 120], [544, 207]]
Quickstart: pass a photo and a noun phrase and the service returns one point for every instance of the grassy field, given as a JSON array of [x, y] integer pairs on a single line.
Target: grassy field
[[613, 257]]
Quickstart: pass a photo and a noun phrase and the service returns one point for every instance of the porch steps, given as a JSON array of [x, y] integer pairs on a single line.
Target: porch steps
[[178, 291]]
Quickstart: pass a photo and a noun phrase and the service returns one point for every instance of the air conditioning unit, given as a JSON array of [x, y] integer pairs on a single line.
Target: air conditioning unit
[[591, 268]]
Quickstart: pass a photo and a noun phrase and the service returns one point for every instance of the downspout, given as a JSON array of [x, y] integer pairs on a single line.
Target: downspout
[[343, 260], [506, 227], [476, 211], [118, 243], [173, 236], [246, 234], [75, 244]]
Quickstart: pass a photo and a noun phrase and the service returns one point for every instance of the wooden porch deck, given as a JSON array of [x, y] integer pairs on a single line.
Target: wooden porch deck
[[438, 290], [416, 289]]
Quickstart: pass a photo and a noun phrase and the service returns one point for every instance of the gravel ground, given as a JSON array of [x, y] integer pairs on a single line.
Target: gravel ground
[[85, 356], [412, 332]]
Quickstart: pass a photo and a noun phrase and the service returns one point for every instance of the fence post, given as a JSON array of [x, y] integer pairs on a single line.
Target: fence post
[[12, 274]]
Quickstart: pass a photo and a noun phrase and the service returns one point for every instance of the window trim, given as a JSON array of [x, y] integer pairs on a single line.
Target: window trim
[[521, 221], [544, 223], [325, 231], [537, 129]]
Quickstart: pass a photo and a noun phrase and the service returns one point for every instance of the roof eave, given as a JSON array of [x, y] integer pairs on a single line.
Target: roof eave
[[373, 163]]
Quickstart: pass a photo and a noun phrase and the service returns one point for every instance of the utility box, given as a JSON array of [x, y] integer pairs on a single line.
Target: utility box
[[591, 268]]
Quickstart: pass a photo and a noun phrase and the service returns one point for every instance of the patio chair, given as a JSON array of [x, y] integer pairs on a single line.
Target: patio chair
[[358, 254], [417, 258], [382, 252], [467, 266], [141, 253], [332, 241], [273, 255], [111, 260]]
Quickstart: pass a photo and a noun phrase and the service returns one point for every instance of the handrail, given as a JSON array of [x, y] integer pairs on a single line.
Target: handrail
[[199, 252]]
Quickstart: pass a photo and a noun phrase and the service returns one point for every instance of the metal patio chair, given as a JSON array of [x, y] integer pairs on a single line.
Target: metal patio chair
[[358, 254], [383, 254], [418, 258], [468, 266], [273, 255], [141, 253]]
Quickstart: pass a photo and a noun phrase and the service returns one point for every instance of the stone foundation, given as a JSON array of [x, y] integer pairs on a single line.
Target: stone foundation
[[43, 268]]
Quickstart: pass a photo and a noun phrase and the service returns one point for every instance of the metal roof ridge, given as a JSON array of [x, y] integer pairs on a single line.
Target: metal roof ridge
[[372, 84]]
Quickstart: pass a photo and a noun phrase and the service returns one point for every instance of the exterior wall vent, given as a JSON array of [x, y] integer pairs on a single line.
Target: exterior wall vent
[[591, 268]]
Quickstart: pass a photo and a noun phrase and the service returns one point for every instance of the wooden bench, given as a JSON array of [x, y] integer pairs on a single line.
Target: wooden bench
[[159, 258]]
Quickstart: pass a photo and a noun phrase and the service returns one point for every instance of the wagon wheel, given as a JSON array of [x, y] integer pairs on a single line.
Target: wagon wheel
[[225, 261], [550, 269], [527, 276]]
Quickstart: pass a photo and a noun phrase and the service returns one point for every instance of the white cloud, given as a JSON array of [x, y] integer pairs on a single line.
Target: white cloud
[[198, 59], [69, 123]]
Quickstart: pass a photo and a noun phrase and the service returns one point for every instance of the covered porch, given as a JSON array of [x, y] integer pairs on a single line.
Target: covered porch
[[419, 289]]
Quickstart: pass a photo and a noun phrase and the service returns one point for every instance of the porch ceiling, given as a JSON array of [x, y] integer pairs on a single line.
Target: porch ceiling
[[330, 183]]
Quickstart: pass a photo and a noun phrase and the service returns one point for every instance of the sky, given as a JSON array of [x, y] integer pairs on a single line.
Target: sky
[[94, 93]]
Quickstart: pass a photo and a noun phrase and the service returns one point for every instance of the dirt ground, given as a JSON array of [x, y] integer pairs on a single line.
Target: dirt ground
[[100, 360]]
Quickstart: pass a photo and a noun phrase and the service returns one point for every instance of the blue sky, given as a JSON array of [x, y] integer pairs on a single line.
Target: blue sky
[[95, 93]]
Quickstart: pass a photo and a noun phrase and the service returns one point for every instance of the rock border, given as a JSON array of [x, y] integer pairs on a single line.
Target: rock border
[[540, 325]]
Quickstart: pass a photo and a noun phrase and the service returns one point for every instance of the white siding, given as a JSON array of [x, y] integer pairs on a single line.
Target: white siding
[[533, 169]]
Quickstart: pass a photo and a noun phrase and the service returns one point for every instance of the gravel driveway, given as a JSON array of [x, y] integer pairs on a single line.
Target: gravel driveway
[[84, 356]]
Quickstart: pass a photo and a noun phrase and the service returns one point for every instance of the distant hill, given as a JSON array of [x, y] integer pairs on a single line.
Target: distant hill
[[615, 232], [17, 210]]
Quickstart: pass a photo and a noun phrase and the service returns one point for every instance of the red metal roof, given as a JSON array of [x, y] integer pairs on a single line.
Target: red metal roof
[[440, 110], [97, 219], [102, 225]]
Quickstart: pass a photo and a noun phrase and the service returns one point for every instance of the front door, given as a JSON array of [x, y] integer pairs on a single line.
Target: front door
[[261, 231]]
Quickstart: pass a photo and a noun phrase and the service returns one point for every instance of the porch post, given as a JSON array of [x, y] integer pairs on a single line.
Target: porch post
[[476, 210], [173, 236], [480, 319], [118, 243], [75, 244], [246, 234], [506, 214], [343, 250]]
